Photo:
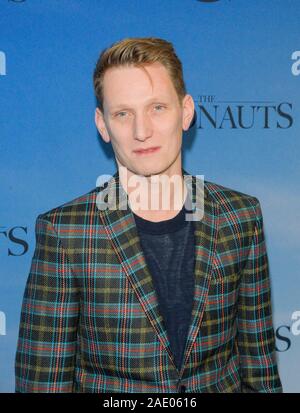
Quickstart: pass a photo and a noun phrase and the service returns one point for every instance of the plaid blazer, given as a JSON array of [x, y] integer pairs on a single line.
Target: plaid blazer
[[90, 319]]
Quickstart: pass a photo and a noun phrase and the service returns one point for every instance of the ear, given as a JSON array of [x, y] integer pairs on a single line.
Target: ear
[[101, 126], [188, 109]]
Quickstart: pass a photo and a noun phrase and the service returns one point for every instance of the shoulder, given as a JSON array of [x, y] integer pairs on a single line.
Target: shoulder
[[73, 211], [233, 202]]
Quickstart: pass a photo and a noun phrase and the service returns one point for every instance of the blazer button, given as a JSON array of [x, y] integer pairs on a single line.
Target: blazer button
[[182, 389]]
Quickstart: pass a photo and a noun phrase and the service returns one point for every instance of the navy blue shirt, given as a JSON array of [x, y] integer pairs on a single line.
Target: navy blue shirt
[[169, 250]]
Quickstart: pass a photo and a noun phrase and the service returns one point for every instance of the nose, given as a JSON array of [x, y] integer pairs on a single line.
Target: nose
[[142, 126]]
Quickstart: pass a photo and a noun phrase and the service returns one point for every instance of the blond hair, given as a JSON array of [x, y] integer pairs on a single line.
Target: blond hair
[[139, 51]]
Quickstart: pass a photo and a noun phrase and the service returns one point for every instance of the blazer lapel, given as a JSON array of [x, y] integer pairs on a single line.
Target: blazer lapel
[[206, 235], [121, 230]]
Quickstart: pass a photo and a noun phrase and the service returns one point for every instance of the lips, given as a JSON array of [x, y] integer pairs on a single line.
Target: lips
[[146, 150]]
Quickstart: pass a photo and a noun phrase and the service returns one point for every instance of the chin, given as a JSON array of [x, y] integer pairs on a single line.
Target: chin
[[147, 172], [150, 168]]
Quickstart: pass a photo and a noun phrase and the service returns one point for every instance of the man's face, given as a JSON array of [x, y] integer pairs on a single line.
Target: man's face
[[140, 114]]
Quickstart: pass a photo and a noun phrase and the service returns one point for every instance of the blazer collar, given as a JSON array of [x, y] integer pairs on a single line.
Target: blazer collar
[[121, 230]]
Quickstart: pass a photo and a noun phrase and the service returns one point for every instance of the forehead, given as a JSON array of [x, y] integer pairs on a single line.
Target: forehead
[[133, 85]]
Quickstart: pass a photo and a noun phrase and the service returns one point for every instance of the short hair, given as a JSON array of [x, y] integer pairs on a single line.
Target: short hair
[[139, 52]]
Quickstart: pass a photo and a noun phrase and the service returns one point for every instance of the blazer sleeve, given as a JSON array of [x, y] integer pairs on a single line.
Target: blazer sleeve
[[256, 338], [46, 348]]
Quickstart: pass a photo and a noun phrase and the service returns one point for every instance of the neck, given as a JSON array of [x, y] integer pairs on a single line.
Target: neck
[[156, 197]]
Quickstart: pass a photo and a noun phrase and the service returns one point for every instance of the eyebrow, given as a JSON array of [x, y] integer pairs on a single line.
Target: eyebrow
[[126, 106]]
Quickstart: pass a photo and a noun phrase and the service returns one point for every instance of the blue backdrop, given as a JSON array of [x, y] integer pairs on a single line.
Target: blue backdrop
[[241, 62]]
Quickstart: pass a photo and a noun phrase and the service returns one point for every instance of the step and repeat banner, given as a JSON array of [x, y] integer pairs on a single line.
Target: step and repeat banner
[[241, 62]]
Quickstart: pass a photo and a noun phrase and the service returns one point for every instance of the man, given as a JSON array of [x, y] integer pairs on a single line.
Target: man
[[123, 297]]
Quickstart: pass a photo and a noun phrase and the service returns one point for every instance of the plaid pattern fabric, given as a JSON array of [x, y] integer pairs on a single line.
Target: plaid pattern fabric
[[90, 320]]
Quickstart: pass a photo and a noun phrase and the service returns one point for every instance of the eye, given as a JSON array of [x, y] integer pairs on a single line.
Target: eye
[[121, 114], [159, 108]]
